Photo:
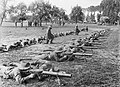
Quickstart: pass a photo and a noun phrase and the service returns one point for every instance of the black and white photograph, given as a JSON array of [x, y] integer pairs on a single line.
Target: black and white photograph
[[59, 43]]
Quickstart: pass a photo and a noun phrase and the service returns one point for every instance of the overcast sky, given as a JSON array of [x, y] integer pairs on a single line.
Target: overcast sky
[[65, 4]]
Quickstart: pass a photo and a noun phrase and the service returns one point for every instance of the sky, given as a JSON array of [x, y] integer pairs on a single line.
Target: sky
[[65, 4]]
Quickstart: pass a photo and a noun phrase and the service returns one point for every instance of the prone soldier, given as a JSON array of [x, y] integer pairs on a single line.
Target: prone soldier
[[20, 71]]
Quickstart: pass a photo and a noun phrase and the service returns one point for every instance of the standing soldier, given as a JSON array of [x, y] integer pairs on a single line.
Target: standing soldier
[[87, 28], [77, 30], [15, 23], [50, 36], [21, 23]]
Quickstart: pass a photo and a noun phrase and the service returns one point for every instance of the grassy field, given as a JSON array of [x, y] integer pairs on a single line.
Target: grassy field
[[10, 34], [100, 70]]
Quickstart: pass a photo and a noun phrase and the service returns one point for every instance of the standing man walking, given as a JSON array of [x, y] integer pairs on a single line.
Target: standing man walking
[[15, 23], [49, 34], [76, 30]]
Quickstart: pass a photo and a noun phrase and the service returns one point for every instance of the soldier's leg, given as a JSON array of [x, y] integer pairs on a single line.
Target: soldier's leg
[[82, 49], [20, 79], [47, 41], [64, 58], [51, 41]]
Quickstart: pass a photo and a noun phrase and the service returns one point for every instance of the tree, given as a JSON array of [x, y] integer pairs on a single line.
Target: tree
[[111, 8], [92, 9], [4, 7], [77, 14], [41, 11], [21, 7], [12, 9], [98, 17], [56, 14], [98, 8]]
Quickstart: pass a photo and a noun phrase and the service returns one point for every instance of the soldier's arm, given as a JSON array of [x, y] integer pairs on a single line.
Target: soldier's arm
[[14, 64]]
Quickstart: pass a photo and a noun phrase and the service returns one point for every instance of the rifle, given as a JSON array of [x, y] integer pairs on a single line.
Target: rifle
[[78, 54], [61, 74], [70, 53], [74, 46], [88, 47]]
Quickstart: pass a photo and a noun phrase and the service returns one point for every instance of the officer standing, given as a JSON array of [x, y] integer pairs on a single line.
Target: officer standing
[[76, 30], [49, 34]]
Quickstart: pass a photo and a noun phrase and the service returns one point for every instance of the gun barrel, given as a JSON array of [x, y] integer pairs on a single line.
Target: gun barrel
[[78, 54], [56, 73]]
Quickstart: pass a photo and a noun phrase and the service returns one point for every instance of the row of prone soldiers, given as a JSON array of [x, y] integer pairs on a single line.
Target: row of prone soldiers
[[77, 30], [76, 48], [90, 40], [29, 42], [41, 67]]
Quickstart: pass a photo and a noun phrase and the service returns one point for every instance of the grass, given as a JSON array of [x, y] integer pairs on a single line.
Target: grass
[[100, 70]]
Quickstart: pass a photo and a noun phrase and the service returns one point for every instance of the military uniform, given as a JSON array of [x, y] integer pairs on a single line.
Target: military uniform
[[50, 36], [18, 71], [59, 55], [14, 73], [77, 30]]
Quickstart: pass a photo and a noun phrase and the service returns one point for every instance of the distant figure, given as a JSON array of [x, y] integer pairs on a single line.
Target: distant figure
[[35, 23], [50, 36], [87, 28], [76, 30], [29, 23], [63, 23], [21, 23], [15, 23]]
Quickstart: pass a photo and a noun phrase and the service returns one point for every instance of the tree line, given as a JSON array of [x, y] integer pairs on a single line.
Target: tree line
[[44, 11]]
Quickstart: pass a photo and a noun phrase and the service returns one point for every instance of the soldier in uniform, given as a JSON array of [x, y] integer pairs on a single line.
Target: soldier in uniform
[[15, 23], [77, 30], [61, 54], [18, 71], [50, 36]]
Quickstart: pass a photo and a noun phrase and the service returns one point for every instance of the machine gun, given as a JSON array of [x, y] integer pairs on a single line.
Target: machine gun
[[41, 72], [77, 54], [88, 47]]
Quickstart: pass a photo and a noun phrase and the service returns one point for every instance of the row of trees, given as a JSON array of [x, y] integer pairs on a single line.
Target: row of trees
[[41, 11], [111, 8], [108, 8]]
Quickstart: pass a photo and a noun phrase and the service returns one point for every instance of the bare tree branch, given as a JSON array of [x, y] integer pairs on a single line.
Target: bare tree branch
[[3, 5]]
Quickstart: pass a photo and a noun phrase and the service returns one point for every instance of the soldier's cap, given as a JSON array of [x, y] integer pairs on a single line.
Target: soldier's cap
[[76, 26], [59, 49], [4, 45], [78, 40], [73, 39], [24, 66], [50, 27]]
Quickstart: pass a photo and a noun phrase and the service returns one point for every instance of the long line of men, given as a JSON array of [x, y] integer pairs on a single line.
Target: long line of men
[[76, 48], [20, 71], [29, 42]]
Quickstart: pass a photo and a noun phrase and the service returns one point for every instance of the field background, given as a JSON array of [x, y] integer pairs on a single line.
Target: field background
[[10, 34], [100, 70]]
